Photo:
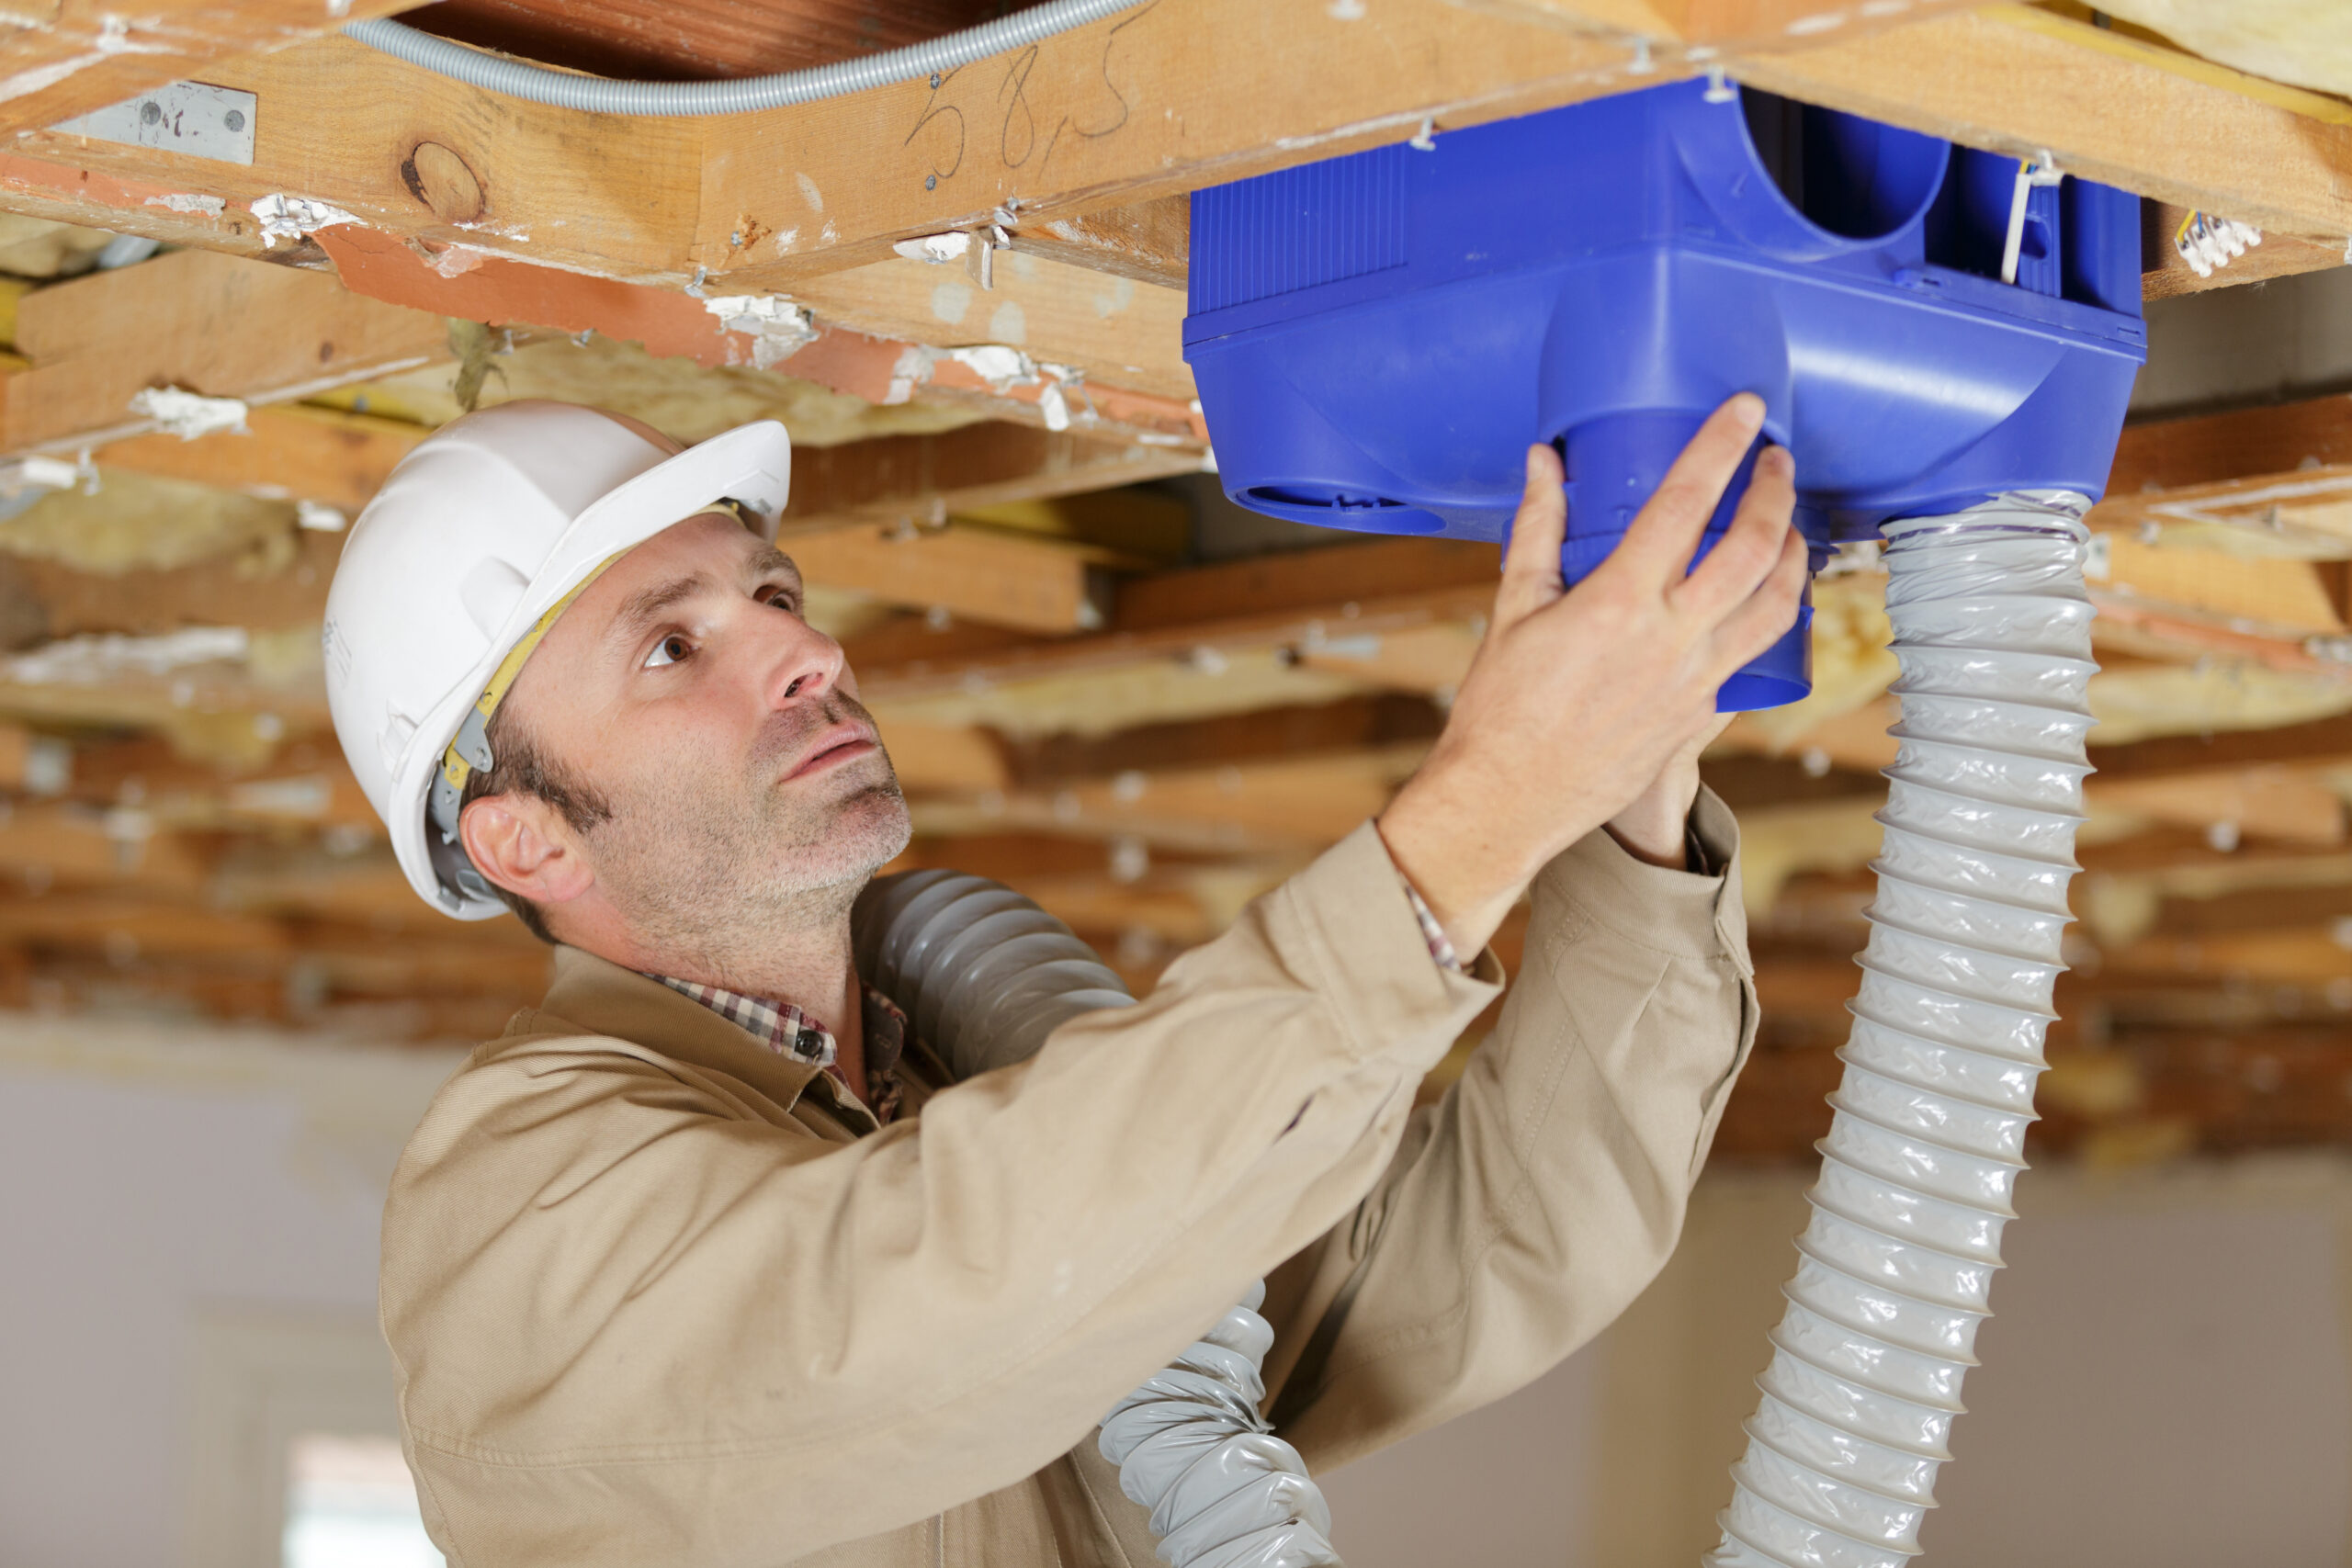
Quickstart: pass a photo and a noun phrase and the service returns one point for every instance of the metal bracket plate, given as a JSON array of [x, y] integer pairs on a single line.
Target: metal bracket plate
[[190, 118]]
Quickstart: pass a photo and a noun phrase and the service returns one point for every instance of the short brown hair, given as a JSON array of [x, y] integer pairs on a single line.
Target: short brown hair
[[519, 766]]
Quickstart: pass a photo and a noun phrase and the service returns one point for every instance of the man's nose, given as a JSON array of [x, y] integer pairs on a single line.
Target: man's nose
[[806, 663]]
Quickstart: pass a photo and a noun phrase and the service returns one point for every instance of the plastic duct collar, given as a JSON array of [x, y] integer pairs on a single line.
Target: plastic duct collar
[[1993, 630]]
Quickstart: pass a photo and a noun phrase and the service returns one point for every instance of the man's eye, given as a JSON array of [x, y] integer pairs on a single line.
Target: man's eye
[[780, 596], [669, 650]]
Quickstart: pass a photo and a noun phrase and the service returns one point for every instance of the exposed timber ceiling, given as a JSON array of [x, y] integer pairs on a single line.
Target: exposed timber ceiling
[[1100, 681]]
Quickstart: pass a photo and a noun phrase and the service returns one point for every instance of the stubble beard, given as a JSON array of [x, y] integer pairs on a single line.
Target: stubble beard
[[715, 870]]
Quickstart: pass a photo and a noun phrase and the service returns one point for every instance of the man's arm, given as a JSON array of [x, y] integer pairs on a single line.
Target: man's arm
[[1528, 1208], [1548, 1187]]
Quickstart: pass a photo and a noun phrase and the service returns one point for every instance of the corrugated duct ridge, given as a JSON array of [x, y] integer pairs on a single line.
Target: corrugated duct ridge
[[1993, 630], [984, 975]]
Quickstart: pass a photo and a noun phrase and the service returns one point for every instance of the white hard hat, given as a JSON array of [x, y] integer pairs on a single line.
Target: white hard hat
[[479, 534]]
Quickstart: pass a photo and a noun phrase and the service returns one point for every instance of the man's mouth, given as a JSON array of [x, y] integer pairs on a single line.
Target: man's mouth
[[841, 743]]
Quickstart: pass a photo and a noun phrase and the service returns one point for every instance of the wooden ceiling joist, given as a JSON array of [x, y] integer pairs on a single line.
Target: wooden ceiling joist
[[1299, 599], [1154, 102]]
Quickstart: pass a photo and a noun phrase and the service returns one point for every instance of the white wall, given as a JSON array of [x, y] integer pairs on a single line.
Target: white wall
[[2168, 1384], [2169, 1381], [150, 1178]]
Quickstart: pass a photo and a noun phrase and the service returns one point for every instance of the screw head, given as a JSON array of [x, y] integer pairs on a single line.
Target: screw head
[[934, 78], [234, 119], [931, 181], [151, 113]]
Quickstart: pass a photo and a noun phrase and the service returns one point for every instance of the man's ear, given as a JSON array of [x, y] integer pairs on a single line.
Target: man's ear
[[522, 844]]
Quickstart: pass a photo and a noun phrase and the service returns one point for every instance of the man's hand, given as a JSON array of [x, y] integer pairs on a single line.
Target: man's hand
[[1588, 707]]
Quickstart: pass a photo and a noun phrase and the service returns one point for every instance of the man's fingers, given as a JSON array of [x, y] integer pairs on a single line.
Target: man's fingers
[[1665, 534], [1750, 546], [1531, 565]]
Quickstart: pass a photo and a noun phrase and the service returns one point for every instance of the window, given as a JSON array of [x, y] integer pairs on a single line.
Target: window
[[350, 1503]]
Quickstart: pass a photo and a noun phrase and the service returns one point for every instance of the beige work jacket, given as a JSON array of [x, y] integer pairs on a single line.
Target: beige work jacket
[[662, 1298]]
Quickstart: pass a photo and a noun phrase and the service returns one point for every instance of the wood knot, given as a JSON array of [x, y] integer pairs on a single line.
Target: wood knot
[[440, 180]]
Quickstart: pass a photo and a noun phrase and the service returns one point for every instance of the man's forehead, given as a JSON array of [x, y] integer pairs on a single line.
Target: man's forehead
[[714, 545]]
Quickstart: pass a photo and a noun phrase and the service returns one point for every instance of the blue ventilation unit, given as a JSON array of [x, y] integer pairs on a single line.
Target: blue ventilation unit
[[1377, 338]]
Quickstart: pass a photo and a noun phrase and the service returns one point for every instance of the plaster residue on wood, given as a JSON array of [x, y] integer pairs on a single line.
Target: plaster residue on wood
[[688, 401], [778, 328], [295, 218], [188, 415]]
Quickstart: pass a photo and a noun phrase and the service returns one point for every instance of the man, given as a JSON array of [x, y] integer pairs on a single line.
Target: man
[[703, 1262]]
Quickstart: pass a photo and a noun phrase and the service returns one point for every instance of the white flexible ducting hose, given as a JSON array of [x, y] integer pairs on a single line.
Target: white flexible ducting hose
[[1993, 630], [984, 976], [600, 95]]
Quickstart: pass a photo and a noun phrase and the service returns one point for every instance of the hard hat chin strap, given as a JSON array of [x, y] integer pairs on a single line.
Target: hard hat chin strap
[[468, 753]]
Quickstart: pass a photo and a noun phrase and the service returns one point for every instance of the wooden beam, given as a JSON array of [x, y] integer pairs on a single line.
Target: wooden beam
[[67, 57], [2273, 596], [150, 603], [290, 451], [924, 348], [1298, 597], [2108, 106], [1149, 242], [1140, 104], [997, 579], [1265, 734], [925, 478], [1146, 104], [1298, 804], [201, 322], [1108, 327], [339, 459], [2286, 804], [2245, 444], [2325, 743], [1721, 24]]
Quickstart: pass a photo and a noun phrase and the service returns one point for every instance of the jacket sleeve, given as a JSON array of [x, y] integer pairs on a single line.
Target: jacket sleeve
[[1536, 1200], [640, 1316]]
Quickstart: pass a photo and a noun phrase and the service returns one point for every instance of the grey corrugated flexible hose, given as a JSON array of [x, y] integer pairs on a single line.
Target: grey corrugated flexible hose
[[1993, 630], [600, 95], [984, 977]]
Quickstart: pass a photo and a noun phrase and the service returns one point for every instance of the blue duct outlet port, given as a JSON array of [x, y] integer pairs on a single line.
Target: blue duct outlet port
[[1378, 337]]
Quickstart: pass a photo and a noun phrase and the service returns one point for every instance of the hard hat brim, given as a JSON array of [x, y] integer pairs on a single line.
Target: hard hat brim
[[752, 464]]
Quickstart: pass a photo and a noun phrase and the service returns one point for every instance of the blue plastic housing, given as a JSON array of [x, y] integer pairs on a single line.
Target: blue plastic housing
[[1378, 337]]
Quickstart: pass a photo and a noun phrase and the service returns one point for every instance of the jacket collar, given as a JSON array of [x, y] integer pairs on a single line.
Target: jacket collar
[[599, 996]]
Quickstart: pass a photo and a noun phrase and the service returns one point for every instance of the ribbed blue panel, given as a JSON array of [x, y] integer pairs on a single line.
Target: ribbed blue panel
[[1298, 227]]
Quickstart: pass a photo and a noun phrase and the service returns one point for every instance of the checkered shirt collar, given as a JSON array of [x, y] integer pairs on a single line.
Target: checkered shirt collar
[[780, 1026]]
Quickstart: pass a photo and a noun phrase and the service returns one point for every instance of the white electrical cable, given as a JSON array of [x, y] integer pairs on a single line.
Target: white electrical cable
[[1993, 630], [600, 95], [984, 976]]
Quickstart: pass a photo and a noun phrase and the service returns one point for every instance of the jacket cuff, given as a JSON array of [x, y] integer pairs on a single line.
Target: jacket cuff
[[1368, 955], [1681, 912]]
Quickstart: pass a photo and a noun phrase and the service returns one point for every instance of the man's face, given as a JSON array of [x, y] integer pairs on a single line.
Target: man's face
[[749, 790]]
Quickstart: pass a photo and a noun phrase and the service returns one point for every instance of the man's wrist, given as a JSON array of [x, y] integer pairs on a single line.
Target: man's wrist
[[1455, 859], [1656, 827]]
